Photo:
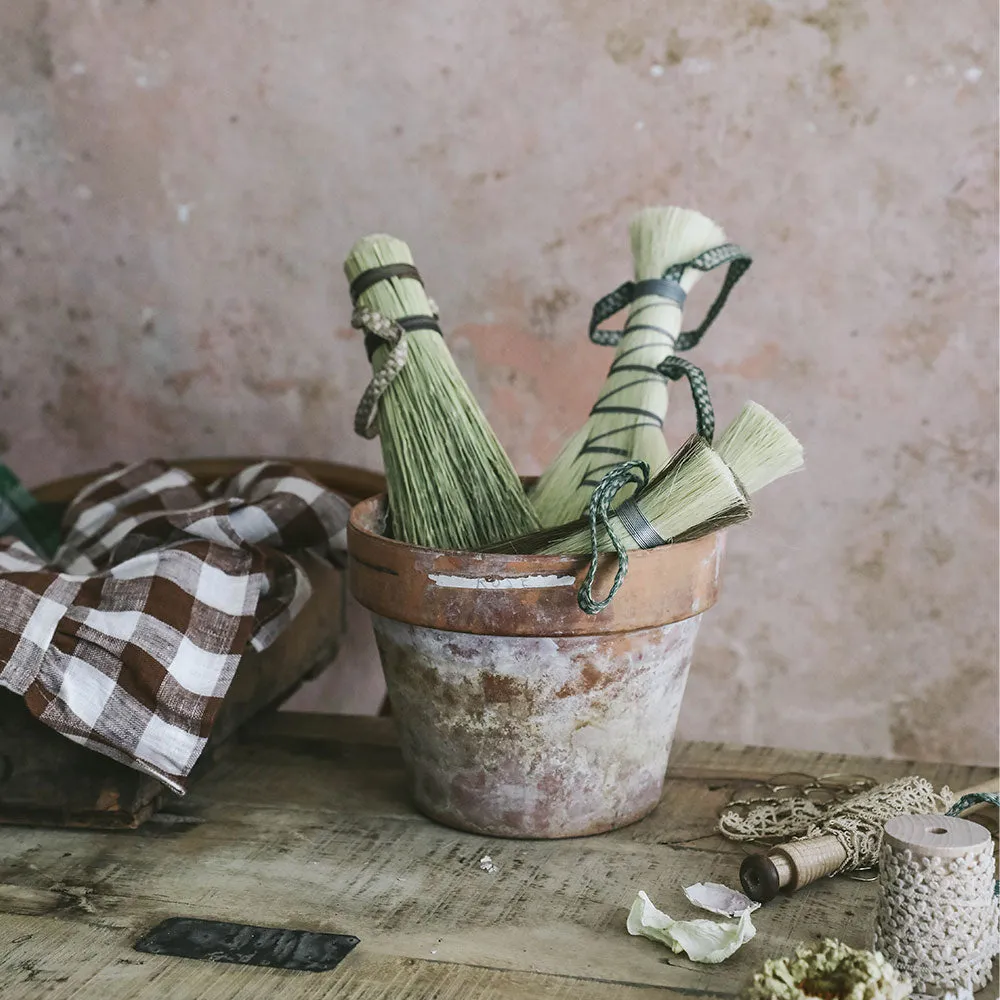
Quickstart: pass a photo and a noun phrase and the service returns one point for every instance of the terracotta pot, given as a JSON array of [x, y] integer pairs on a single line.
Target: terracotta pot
[[518, 714]]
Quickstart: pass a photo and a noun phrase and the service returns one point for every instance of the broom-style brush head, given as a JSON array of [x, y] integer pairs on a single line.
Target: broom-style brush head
[[396, 297], [626, 421], [664, 236], [694, 494], [450, 484], [759, 448]]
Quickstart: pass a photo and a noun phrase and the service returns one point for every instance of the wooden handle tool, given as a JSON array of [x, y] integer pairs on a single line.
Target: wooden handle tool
[[790, 866]]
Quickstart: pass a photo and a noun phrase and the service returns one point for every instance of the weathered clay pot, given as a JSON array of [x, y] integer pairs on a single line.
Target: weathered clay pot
[[518, 714]]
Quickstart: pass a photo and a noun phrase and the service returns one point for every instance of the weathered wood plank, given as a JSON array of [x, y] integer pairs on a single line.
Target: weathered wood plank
[[307, 824], [49, 958]]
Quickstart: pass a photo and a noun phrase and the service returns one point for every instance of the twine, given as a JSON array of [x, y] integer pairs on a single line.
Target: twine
[[598, 511], [858, 823], [938, 919], [392, 332], [855, 822]]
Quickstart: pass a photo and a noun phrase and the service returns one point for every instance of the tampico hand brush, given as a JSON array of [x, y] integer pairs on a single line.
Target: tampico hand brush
[[693, 494], [759, 448], [671, 249], [450, 484]]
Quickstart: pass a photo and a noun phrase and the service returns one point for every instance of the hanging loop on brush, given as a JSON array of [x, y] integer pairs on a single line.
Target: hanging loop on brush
[[366, 279], [381, 331], [675, 368], [668, 287], [393, 335], [624, 295], [739, 262], [598, 511]]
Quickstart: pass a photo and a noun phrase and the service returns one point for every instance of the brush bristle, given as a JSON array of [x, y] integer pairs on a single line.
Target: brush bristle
[[396, 297], [696, 491], [694, 494], [664, 236], [627, 420], [759, 448], [450, 484]]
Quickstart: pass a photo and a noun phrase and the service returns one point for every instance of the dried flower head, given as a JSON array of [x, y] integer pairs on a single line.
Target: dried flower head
[[833, 971]]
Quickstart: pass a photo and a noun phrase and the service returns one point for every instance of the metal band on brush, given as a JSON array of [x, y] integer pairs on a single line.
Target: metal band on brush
[[366, 279], [407, 323], [637, 525], [665, 288], [624, 295]]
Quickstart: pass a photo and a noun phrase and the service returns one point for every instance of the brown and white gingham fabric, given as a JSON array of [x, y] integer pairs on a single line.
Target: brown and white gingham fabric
[[128, 640]]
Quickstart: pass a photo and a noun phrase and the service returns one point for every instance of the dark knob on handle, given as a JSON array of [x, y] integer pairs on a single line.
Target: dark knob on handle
[[759, 878]]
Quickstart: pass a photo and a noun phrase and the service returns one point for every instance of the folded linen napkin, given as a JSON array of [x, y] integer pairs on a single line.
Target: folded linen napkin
[[128, 639]]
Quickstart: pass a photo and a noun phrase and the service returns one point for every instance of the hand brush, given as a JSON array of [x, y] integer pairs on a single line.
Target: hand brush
[[693, 494], [450, 484], [756, 447], [759, 448], [626, 421]]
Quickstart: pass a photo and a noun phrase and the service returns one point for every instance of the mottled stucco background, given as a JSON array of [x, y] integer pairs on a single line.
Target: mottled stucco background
[[179, 184]]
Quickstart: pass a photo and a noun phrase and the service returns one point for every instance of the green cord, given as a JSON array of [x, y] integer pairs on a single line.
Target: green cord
[[970, 800], [598, 510]]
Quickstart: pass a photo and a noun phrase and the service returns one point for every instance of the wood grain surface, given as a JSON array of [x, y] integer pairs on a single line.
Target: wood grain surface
[[50, 780], [307, 825]]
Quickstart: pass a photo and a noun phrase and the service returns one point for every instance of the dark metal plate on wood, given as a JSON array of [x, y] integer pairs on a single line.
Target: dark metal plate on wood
[[242, 944]]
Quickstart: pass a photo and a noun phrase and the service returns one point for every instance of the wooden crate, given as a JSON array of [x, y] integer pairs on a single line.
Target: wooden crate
[[46, 779]]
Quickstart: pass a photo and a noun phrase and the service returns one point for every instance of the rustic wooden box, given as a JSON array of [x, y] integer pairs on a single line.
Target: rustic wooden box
[[46, 779]]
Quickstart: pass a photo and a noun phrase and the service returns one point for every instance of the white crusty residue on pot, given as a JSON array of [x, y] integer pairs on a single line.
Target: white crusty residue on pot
[[504, 583]]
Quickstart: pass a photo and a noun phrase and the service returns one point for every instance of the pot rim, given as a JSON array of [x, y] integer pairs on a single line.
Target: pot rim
[[531, 595]]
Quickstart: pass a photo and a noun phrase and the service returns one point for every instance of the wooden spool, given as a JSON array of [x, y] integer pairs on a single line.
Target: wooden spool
[[933, 836], [799, 862], [911, 935], [790, 866]]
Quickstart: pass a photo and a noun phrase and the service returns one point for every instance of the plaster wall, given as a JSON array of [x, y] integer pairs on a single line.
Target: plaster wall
[[179, 184]]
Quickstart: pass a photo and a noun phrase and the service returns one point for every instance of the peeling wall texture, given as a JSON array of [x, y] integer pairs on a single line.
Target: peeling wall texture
[[180, 182]]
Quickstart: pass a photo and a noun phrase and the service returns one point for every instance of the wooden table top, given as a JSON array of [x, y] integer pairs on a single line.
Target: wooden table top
[[306, 824]]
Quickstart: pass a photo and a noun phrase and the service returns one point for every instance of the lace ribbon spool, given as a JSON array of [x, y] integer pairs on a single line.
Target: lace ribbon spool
[[938, 919]]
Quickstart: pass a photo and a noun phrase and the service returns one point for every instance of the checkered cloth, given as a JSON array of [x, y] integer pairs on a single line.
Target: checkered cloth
[[128, 639]]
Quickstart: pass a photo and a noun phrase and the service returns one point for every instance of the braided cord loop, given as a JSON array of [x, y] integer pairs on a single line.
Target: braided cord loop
[[669, 287], [599, 511], [377, 326], [676, 368]]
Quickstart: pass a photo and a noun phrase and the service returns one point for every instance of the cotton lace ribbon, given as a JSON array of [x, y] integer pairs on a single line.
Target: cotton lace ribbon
[[856, 822], [938, 917]]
